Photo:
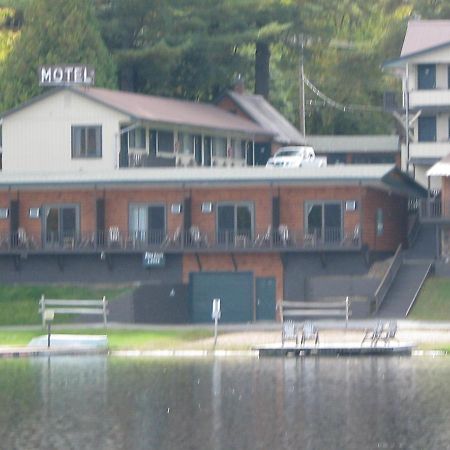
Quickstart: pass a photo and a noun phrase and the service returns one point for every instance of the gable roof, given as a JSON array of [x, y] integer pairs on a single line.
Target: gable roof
[[163, 110], [422, 36], [425, 35], [265, 115]]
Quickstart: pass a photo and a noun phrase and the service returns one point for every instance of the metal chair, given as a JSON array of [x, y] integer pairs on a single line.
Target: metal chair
[[309, 333], [289, 332], [373, 335]]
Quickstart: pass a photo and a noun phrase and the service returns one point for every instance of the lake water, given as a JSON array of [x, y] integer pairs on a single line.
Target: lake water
[[144, 403]]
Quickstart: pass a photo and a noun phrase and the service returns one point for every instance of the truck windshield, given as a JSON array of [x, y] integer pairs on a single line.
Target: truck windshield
[[287, 153]]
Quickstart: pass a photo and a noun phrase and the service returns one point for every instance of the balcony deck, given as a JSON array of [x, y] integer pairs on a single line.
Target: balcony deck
[[184, 242], [433, 211]]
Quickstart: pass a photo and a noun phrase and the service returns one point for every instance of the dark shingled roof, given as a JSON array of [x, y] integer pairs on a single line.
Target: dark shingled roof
[[162, 110]]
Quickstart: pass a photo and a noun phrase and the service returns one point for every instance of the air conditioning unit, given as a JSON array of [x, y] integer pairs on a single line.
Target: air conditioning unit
[[175, 208], [34, 213], [350, 205], [207, 207], [4, 213]]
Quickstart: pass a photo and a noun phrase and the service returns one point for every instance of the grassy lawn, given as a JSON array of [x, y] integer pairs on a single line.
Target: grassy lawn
[[19, 304], [118, 339], [433, 302]]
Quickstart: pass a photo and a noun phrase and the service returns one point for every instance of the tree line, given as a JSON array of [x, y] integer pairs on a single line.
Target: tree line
[[195, 49]]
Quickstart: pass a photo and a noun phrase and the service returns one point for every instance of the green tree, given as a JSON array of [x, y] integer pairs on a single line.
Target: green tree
[[56, 32]]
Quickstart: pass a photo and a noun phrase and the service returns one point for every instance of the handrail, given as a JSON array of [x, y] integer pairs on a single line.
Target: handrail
[[419, 288], [413, 230], [388, 278]]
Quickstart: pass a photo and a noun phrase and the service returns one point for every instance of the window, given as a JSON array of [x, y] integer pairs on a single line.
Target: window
[[379, 222], [239, 147], [448, 76], [426, 74], [336, 158], [234, 221], [190, 144], [61, 224], [427, 129], [147, 223], [219, 147], [136, 138], [324, 221], [86, 142], [165, 141], [161, 141], [373, 159]]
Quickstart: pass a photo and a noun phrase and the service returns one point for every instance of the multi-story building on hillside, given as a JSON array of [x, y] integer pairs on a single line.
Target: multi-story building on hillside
[[424, 66]]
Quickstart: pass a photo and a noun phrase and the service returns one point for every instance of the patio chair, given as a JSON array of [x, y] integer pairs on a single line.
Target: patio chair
[[373, 335], [264, 239], [114, 236], [289, 332], [309, 333], [389, 332], [283, 233], [174, 240]]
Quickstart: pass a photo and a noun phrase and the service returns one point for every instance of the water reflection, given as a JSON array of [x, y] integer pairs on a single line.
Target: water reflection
[[311, 403]]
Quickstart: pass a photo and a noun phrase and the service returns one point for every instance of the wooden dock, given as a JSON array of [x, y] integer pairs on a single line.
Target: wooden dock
[[343, 349]]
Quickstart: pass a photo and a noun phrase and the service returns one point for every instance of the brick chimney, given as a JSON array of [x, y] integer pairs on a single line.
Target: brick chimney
[[239, 84]]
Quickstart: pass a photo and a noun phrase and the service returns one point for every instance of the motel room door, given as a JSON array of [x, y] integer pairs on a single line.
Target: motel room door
[[265, 298]]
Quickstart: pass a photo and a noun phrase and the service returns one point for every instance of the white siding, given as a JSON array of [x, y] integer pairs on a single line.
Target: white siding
[[38, 137]]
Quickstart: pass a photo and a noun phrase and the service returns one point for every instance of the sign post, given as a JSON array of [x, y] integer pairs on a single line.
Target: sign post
[[216, 316]]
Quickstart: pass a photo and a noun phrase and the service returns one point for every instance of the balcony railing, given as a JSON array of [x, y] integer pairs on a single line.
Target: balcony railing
[[431, 209], [115, 240]]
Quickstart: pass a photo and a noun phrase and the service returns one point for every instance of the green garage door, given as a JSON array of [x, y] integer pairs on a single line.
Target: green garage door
[[235, 290]]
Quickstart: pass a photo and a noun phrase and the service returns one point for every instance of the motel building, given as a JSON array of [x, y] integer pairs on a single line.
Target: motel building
[[102, 186]]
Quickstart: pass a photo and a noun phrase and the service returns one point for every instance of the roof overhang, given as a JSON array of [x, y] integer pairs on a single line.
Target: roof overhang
[[385, 177]]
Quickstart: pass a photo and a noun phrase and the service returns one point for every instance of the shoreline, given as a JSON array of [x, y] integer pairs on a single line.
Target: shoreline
[[234, 340]]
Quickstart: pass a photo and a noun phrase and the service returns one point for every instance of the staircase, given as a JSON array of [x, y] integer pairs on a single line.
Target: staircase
[[416, 265], [404, 289]]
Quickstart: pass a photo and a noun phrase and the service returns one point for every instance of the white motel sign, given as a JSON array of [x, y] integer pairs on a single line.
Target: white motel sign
[[68, 74]]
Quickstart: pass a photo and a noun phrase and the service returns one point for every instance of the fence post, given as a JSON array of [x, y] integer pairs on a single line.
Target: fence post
[[346, 311], [42, 308], [105, 303]]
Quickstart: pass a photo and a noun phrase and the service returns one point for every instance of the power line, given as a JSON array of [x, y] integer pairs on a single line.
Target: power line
[[340, 106]]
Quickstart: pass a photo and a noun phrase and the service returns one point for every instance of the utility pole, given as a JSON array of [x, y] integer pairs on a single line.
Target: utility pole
[[302, 89]]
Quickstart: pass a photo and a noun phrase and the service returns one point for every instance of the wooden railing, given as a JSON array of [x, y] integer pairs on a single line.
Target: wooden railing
[[387, 280], [298, 311]]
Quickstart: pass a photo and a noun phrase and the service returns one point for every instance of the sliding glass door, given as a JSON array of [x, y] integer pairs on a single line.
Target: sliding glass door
[[61, 224], [234, 222], [148, 223], [324, 221]]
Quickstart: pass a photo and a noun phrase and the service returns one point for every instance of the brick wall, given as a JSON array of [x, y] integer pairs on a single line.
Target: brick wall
[[395, 213], [292, 201]]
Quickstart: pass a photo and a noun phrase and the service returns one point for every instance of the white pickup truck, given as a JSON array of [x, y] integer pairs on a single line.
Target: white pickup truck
[[296, 156]]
